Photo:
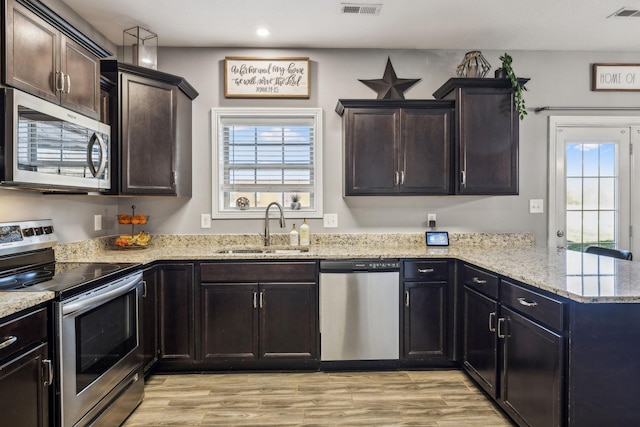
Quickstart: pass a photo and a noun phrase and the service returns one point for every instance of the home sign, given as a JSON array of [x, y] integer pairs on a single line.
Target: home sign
[[266, 77], [615, 77]]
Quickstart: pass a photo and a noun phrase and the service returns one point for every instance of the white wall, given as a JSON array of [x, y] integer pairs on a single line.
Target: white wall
[[557, 79]]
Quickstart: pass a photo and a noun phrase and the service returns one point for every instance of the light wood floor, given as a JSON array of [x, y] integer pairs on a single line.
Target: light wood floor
[[393, 398]]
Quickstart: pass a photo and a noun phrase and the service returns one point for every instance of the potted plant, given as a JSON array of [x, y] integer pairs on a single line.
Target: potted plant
[[506, 71], [295, 201]]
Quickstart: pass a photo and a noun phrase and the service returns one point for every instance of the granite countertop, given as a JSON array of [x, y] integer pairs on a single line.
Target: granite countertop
[[584, 278]]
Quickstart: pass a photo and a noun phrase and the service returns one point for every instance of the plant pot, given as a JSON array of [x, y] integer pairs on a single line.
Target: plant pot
[[500, 73], [296, 205]]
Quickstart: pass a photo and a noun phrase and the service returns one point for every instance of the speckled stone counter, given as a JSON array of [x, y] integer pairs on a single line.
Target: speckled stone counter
[[581, 277], [12, 302]]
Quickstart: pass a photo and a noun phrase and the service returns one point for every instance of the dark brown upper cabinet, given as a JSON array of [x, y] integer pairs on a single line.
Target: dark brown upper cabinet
[[46, 57], [396, 147], [486, 135], [150, 117]]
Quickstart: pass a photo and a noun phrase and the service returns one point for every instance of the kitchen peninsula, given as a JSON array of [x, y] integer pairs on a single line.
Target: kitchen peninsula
[[580, 307]]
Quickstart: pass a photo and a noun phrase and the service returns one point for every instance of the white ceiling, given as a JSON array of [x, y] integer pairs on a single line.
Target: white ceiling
[[401, 24]]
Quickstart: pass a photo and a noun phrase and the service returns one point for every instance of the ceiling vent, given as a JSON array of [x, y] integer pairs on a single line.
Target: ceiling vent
[[625, 13], [360, 9]]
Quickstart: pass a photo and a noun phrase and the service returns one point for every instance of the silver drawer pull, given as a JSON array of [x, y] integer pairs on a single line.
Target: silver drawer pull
[[478, 281], [406, 298], [501, 322], [426, 270], [492, 319], [7, 342], [526, 303], [49, 365]]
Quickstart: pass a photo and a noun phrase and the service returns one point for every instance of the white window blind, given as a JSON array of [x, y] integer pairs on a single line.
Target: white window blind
[[267, 155]]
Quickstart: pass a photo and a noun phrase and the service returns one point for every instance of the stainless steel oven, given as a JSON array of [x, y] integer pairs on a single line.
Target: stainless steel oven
[[100, 352]]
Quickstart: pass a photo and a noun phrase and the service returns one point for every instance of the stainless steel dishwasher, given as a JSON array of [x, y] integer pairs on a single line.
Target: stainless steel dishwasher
[[359, 310]]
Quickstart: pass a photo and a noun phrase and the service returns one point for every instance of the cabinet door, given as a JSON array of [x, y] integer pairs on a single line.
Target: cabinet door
[[533, 371], [425, 151], [150, 319], [32, 53], [82, 86], [24, 397], [480, 345], [288, 325], [487, 142], [230, 321], [148, 136], [371, 151], [425, 320], [176, 311]]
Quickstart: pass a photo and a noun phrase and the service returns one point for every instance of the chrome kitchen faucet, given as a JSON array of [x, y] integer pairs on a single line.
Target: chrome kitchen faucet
[[266, 236]]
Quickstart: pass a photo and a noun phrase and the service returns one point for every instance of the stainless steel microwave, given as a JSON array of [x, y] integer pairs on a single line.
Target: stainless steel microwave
[[49, 148]]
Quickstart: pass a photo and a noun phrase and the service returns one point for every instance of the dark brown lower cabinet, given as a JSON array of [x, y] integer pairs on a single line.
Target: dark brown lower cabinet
[[26, 371], [514, 346], [425, 320], [532, 370], [259, 324], [150, 318], [176, 315], [480, 341]]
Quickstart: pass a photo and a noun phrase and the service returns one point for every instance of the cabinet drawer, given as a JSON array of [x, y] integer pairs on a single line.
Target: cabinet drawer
[[426, 270], [25, 331], [480, 280], [544, 309], [304, 271]]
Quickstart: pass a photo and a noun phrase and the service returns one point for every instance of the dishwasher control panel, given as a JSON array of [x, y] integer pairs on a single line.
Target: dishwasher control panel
[[346, 265]]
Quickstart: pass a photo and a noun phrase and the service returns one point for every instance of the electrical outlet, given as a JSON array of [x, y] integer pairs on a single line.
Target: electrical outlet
[[330, 220], [205, 221], [536, 206], [431, 220], [97, 222]]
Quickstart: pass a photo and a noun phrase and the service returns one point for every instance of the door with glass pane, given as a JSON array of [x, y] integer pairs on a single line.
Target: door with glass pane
[[592, 194]]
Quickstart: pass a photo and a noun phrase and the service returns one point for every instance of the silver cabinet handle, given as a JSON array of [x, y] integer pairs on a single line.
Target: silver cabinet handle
[[463, 178], [500, 323], [68, 78], [59, 81], [396, 178], [255, 299], [526, 303], [406, 298], [144, 289], [478, 281], [401, 177], [492, 319], [425, 270], [49, 366], [8, 341], [261, 299]]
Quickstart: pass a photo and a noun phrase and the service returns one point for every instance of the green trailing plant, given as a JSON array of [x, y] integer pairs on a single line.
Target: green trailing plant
[[507, 62]]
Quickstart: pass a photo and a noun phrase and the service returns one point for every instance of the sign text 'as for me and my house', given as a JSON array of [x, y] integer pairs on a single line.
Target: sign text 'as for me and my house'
[[266, 77]]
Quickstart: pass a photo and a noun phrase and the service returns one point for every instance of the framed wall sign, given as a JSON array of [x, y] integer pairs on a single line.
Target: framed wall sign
[[266, 77], [615, 77]]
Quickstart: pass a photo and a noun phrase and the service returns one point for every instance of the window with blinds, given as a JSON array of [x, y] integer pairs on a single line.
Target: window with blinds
[[264, 156]]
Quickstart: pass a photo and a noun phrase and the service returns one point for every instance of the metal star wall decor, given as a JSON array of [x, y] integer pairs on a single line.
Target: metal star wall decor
[[390, 86]]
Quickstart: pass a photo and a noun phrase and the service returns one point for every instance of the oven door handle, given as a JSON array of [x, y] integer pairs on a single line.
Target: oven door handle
[[99, 297]]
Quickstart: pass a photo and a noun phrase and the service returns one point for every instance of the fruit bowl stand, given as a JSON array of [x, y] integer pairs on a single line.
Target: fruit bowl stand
[[132, 241]]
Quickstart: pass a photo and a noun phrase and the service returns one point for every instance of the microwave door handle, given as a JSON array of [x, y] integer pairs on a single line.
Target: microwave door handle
[[103, 155]]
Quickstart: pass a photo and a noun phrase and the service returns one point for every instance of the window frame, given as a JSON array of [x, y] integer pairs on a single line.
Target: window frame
[[218, 210]]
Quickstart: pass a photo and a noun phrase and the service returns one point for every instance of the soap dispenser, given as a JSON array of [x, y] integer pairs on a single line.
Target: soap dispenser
[[293, 236], [304, 234]]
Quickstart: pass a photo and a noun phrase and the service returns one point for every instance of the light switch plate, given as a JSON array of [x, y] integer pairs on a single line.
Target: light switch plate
[[330, 220], [97, 222], [205, 220], [536, 206]]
